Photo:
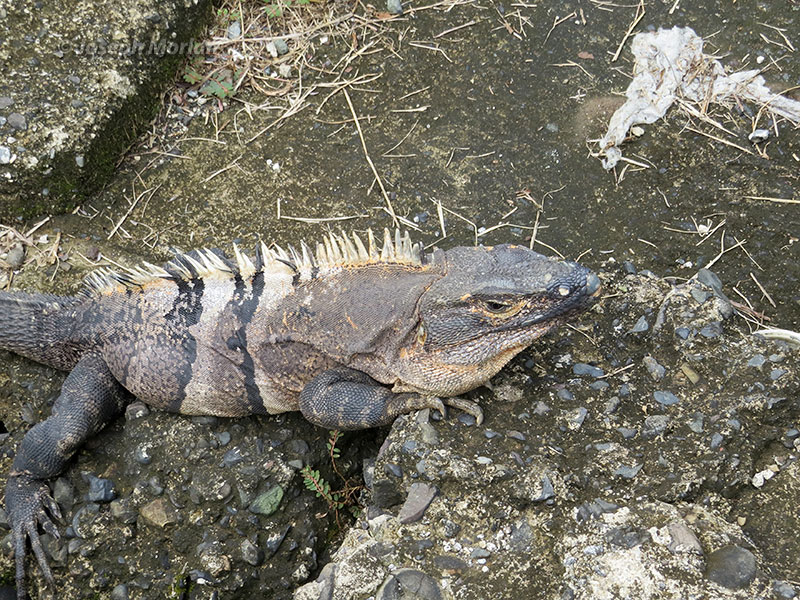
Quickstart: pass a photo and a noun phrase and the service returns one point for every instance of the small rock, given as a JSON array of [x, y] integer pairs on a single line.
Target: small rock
[[697, 423], [784, 590], [234, 30], [122, 511], [776, 374], [159, 512], [682, 332], [17, 121], [101, 490], [416, 583], [683, 539], [654, 426], [548, 492], [712, 330], [710, 279], [120, 592], [541, 408], [215, 562], [16, 256], [395, 7], [420, 495], [731, 566], [612, 404], [64, 494], [393, 470], [641, 325], [757, 361], [627, 472], [223, 437], [233, 457], [576, 417], [450, 528], [142, 454], [758, 136], [5, 155], [716, 440], [665, 398], [699, 295], [656, 370], [268, 502], [281, 47], [581, 369], [467, 419], [5, 102]]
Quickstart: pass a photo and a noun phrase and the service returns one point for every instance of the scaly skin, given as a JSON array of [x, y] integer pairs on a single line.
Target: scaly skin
[[351, 338]]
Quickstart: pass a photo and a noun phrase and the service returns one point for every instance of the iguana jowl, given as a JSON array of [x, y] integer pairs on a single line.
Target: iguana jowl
[[352, 336]]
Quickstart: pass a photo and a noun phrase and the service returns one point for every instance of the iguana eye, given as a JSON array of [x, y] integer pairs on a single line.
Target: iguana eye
[[496, 307]]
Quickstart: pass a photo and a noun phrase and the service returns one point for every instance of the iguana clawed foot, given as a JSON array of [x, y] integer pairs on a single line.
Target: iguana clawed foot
[[343, 398], [26, 501]]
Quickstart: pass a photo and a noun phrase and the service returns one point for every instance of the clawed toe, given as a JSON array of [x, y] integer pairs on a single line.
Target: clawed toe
[[28, 502], [468, 406]]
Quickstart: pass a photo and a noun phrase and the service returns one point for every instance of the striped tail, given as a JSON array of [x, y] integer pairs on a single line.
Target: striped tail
[[39, 327]]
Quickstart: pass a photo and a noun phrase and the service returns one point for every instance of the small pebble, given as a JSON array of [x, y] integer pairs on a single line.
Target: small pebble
[[641, 325], [757, 361], [234, 30], [665, 398], [281, 47], [627, 472], [710, 279], [268, 502], [731, 566], [655, 370], [394, 7], [420, 495], [776, 374], [581, 369], [655, 425], [784, 590], [101, 490], [17, 121]]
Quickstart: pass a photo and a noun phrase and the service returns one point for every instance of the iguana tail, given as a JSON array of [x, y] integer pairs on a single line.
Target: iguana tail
[[39, 327]]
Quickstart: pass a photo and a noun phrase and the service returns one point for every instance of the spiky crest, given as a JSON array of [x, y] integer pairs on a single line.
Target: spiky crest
[[332, 253]]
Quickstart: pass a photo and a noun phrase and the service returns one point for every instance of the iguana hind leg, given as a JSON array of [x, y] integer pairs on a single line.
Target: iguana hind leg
[[343, 398], [90, 398]]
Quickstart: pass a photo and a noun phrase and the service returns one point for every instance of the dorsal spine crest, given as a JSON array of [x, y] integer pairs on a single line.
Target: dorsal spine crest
[[335, 252]]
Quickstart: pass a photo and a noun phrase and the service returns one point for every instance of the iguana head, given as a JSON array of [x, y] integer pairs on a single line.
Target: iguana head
[[489, 304]]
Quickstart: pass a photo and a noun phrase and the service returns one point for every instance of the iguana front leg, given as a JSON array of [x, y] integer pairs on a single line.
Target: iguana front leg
[[90, 398], [343, 398]]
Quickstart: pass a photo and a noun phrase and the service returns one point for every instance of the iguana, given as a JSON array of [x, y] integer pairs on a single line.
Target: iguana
[[351, 335]]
